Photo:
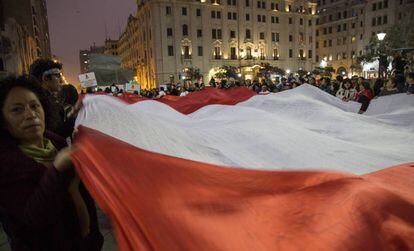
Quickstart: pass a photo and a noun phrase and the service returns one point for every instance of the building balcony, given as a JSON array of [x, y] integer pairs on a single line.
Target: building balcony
[[186, 57], [217, 57]]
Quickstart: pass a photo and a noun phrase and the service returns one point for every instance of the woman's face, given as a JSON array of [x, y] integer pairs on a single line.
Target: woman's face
[[24, 116], [347, 85]]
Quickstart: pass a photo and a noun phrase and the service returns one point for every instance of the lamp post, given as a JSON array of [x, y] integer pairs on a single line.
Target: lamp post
[[381, 58]]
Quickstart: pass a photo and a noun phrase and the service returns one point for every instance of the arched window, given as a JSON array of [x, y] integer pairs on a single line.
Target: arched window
[[249, 52]]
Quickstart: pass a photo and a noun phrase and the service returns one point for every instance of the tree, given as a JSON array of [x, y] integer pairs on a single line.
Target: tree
[[192, 73], [356, 67], [226, 71]]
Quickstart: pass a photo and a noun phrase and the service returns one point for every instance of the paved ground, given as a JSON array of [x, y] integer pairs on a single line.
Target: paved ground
[[109, 244]]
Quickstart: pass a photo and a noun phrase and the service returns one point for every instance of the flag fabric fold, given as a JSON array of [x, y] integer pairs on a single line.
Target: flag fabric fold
[[159, 202], [189, 173]]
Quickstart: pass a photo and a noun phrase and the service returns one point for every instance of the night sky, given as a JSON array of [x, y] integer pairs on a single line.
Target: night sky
[[76, 24]]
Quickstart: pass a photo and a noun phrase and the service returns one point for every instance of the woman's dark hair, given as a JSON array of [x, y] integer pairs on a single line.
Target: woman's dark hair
[[69, 94], [9, 84], [366, 85], [38, 67]]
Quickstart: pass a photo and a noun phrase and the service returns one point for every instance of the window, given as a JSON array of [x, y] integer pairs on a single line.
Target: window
[[232, 34], [301, 21], [275, 54], [290, 38], [186, 50], [229, 15], [200, 51], [216, 33], [247, 3], [184, 11], [168, 10], [325, 30], [310, 22], [213, 14], [309, 53], [199, 33], [233, 53], [374, 21], [185, 30], [379, 19], [275, 37], [325, 43], [290, 53], [259, 18], [301, 54], [262, 35], [290, 20], [344, 27], [353, 26], [217, 53], [345, 14], [219, 14], [169, 32], [248, 34], [385, 20], [385, 4], [198, 12], [247, 17], [374, 6], [344, 55], [259, 4], [330, 42], [170, 50], [234, 16], [338, 28], [330, 29], [249, 53]]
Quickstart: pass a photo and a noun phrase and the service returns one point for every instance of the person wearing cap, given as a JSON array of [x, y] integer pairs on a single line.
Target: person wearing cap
[[49, 75]]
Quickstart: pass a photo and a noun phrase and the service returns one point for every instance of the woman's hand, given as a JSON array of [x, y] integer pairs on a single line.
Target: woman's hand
[[75, 109], [63, 160]]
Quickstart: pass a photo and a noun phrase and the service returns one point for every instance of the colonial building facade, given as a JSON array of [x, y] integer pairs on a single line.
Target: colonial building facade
[[345, 28], [24, 34], [165, 37]]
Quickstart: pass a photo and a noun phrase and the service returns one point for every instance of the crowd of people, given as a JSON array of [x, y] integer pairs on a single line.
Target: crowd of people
[[53, 210], [356, 88]]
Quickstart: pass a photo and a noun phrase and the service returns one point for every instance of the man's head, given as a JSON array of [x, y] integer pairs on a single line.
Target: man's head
[[48, 73]]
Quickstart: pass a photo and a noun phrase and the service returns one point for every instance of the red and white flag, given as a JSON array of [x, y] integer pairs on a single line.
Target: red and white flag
[[229, 170]]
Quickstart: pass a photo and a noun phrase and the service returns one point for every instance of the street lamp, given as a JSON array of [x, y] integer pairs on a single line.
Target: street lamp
[[381, 36], [382, 59]]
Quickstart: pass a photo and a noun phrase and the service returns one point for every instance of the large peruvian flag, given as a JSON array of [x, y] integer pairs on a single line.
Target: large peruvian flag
[[230, 170]]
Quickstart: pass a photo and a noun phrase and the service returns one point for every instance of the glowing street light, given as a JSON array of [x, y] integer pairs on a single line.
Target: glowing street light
[[323, 63], [288, 71], [381, 36]]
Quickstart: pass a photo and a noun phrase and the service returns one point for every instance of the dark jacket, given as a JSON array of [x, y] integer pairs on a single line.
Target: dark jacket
[[62, 125], [35, 207]]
